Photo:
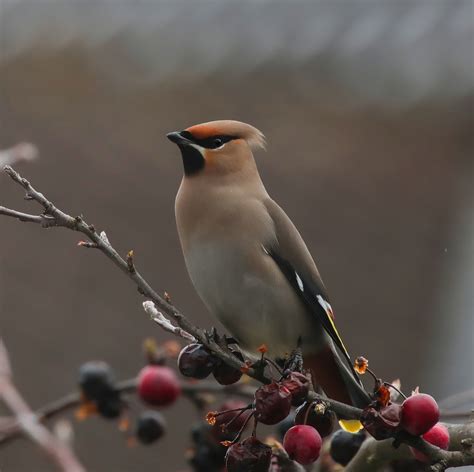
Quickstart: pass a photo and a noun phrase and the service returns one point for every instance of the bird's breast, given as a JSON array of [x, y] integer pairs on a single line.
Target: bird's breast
[[242, 287]]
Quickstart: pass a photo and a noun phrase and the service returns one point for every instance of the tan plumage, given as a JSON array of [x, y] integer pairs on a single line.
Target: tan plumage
[[247, 260]]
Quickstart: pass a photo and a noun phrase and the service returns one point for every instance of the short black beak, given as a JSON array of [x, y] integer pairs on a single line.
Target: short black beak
[[177, 138]]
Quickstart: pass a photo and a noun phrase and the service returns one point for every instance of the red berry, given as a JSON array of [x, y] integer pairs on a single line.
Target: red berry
[[250, 455], [438, 435], [158, 385], [302, 443], [298, 385], [224, 419], [196, 361], [272, 403], [420, 413], [323, 422]]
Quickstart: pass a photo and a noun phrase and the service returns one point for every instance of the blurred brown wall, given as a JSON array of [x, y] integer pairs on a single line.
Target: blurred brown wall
[[373, 193]]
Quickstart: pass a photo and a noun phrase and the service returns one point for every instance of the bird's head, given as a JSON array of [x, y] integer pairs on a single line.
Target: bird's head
[[218, 147]]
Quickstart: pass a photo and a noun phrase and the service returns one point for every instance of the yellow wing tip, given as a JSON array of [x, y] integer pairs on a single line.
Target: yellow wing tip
[[351, 426]]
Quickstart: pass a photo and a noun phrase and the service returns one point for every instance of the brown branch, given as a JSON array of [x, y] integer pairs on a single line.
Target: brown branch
[[373, 455], [52, 216], [12, 429], [28, 423]]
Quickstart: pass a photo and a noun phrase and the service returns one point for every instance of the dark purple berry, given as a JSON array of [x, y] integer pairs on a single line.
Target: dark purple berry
[[250, 455], [324, 422], [225, 374], [196, 361], [344, 445], [96, 380], [150, 427], [272, 403]]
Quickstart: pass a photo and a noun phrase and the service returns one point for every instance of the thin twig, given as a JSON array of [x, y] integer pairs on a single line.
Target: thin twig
[[55, 217], [12, 430]]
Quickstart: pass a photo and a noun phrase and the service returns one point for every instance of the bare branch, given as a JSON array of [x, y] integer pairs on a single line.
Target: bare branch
[[373, 455], [27, 421], [166, 312], [13, 430], [56, 217]]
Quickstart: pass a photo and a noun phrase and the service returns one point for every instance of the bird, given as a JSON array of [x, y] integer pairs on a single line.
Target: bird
[[248, 262]]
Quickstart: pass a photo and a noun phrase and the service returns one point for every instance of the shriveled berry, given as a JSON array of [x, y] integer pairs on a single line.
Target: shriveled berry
[[302, 443], [420, 413], [196, 361], [150, 426], [96, 380], [158, 385], [383, 423], [344, 445], [324, 422], [225, 374], [438, 435], [272, 403], [231, 422], [298, 385], [250, 455]]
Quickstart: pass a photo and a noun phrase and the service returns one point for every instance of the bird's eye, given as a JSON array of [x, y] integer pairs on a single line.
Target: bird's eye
[[218, 142]]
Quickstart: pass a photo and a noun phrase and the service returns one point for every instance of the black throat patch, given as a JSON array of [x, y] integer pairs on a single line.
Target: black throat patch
[[193, 161]]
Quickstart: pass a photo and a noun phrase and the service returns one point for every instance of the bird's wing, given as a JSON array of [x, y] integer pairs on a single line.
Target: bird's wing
[[294, 260]]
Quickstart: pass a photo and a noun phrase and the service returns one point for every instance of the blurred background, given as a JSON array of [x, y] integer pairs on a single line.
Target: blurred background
[[368, 111]]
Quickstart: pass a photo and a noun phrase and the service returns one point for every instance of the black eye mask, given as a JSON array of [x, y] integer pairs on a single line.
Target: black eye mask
[[212, 142]]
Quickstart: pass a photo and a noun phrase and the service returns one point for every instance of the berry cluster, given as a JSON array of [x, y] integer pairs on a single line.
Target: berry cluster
[[157, 386], [418, 415], [217, 444], [197, 362]]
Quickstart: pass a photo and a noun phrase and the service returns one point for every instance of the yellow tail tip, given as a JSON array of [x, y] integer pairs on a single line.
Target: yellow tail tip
[[351, 426]]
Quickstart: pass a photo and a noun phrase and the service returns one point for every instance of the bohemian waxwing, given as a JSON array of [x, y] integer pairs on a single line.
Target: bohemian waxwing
[[247, 260]]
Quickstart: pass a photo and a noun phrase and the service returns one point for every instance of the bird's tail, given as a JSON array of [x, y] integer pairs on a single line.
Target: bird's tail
[[338, 381]]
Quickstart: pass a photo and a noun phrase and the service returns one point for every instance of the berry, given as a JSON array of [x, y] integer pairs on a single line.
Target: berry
[[226, 418], [158, 385], [302, 443], [225, 374], [250, 455], [208, 454], [298, 385], [96, 380], [438, 435], [150, 426], [323, 422], [344, 445], [272, 403], [420, 413], [110, 406], [382, 423], [196, 361]]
